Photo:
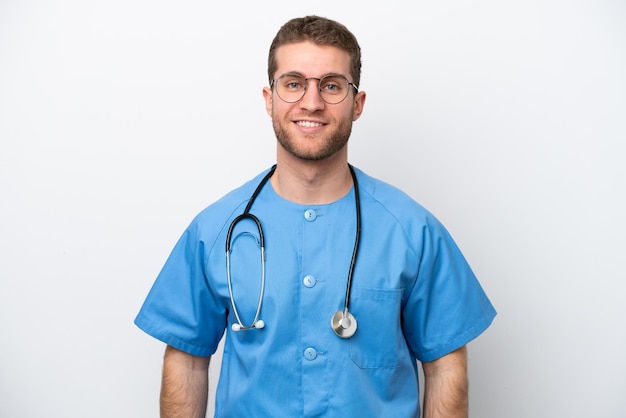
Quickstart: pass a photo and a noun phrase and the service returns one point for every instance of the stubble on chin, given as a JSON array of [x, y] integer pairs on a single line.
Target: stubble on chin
[[333, 144]]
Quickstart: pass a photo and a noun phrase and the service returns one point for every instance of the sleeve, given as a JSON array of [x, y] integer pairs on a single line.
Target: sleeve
[[181, 309], [447, 307]]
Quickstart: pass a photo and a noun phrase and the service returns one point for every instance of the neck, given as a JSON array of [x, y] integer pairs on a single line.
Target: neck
[[312, 182]]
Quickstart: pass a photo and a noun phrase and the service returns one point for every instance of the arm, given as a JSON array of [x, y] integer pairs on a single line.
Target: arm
[[446, 386], [184, 389]]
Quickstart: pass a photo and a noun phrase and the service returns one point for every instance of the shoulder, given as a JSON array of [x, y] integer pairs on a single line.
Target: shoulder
[[390, 198], [392, 207], [212, 219]]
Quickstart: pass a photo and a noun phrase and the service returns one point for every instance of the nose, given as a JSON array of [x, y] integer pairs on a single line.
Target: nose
[[312, 100]]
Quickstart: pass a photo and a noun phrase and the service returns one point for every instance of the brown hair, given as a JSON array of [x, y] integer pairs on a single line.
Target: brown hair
[[321, 31]]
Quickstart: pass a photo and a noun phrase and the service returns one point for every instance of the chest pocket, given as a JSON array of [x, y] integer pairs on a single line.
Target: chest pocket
[[378, 341]]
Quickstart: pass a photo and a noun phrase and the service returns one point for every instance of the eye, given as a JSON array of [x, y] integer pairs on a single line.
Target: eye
[[293, 83], [332, 85]]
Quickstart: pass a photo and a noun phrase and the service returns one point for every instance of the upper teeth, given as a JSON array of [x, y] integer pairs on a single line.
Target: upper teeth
[[308, 124]]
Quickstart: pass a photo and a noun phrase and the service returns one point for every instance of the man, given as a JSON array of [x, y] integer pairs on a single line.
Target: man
[[361, 280]]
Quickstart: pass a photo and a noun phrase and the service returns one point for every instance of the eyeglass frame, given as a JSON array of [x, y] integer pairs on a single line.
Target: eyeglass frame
[[319, 84]]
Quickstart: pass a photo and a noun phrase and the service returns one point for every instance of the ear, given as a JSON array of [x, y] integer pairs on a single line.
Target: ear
[[267, 95], [359, 103]]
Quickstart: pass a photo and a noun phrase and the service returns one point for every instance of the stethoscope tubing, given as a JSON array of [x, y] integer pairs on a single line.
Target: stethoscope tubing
[[256, 323], [342, 322], [357, 238], [239, 325]]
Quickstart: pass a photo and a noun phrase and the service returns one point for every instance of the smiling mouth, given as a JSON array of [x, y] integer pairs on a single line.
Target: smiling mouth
[[308, 124]]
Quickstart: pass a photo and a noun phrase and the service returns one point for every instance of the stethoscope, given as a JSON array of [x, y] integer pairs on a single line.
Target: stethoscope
[[342, 322]]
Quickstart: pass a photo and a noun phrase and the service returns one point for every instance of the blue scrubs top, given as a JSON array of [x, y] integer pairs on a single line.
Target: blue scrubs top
[[413, 294]]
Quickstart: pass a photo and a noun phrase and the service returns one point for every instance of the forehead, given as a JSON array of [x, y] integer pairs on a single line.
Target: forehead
[[311, 60]]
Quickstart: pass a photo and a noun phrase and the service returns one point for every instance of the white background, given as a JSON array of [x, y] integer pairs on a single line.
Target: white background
[[120, 120]]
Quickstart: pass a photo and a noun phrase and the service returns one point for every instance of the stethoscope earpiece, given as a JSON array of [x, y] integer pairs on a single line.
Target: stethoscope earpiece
[[238, 327]]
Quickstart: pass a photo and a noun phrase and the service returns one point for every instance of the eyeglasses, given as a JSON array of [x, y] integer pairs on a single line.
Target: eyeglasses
[[333, 88]]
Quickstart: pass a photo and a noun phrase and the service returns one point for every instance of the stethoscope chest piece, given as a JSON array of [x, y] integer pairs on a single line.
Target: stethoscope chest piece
[[344, 324]]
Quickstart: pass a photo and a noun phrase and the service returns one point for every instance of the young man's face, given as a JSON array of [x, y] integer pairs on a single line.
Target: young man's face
[[311, 129]]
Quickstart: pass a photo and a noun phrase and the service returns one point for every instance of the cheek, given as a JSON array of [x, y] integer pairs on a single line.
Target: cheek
[[280, 110]]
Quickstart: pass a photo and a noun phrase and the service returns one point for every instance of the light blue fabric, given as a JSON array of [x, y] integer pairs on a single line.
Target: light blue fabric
[[413, 295]]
